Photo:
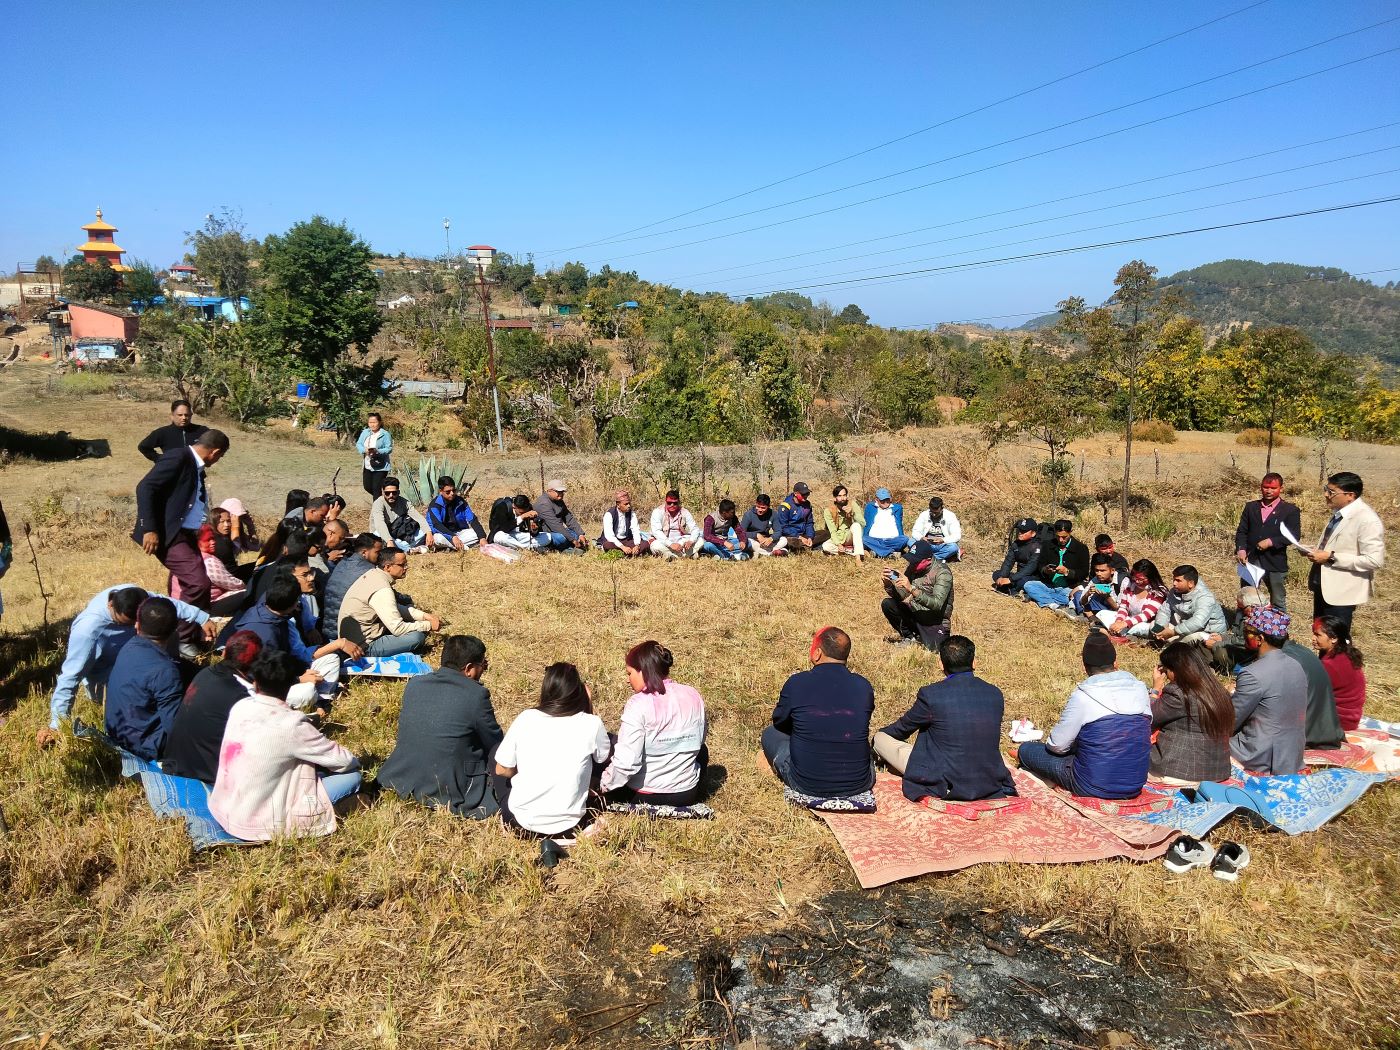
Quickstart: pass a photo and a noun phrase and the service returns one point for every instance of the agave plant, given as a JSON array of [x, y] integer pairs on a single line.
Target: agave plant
[[422, 483]]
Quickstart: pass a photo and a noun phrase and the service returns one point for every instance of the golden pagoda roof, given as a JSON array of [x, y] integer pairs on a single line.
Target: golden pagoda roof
[[100, 246], [100, 225]]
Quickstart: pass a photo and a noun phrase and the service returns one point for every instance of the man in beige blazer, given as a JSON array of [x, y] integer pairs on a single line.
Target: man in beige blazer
[[1352, 548]]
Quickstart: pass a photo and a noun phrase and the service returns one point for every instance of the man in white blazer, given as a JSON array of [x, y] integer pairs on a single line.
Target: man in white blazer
[[1350, 551]]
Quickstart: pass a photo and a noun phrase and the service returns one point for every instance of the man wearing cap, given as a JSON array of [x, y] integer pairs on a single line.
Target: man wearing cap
[[794, 516], [884, 526], [621, 529], [941, 528], [1271, 699], [1102, 745], [919, 604], [1350, 551], [1022, 557], [760, 526], [556, 517]]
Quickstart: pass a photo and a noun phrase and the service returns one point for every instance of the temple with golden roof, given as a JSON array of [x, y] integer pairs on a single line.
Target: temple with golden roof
[[100, 247]]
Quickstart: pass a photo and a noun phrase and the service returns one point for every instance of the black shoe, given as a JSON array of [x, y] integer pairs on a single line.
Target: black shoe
[[1231, 859], [551, 853]]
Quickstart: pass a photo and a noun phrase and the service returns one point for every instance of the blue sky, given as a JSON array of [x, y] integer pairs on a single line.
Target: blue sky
[[545, 128]]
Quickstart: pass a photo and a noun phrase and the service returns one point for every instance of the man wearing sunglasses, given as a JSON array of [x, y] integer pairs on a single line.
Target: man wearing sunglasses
[[674, 533]]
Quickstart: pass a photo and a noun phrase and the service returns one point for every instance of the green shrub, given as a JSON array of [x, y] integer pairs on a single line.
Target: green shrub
[[84, 384], [1158, 430], [1159, 526], [1258, 437]]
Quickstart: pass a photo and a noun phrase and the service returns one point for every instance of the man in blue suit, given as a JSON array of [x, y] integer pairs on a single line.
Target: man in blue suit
[[957, 754]]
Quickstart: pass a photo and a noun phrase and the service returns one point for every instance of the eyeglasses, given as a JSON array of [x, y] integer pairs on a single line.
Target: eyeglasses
[[1328, 490], [390, 492]]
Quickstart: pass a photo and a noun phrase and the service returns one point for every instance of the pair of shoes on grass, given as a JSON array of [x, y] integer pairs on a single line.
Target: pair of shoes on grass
[[1225, 863]]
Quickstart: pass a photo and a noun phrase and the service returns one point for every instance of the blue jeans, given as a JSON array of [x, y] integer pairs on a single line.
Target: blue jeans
[[777, 748], [1036, 758], [1090, 601], [551, 541], [418, 541], [885, 548], [944, 551], [396, 644], [339, 785], [1045, 596], [720, 552]]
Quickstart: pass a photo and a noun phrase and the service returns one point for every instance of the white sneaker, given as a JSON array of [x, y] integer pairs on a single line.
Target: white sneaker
[[1187, 853]]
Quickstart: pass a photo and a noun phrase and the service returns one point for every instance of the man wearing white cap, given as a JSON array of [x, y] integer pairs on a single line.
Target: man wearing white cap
[[884, 526], [556, 517]]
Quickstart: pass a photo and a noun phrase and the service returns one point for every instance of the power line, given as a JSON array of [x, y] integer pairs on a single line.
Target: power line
[[921, 131], [1052, 252], [1056, 309], [1126, 222], [1110, 207], [1017, 160], [1004, 142], [1038, 204]]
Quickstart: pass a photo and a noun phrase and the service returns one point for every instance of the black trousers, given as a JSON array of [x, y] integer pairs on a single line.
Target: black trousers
[[902, 619], [373, 481], [1341, 612]]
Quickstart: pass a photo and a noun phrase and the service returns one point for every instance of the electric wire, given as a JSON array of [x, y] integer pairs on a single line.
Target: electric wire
[[897, 277], [1016, 160], [1110, 207], [1056, 309], [932, 127], [1008, 141], [1038, 204]]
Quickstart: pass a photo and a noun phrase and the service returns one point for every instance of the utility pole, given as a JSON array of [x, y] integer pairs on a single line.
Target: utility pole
[[490, 354], [447, 235]]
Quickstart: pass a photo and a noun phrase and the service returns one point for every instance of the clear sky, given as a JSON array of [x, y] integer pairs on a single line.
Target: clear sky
[[544, 128]]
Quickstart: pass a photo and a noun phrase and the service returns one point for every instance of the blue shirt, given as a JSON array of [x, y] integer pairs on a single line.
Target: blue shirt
[[93, 644], [826, 712], [143, 697]]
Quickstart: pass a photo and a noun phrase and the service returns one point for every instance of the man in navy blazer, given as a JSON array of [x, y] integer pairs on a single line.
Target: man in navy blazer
[[171, 504], [1259, 539], [957, 755]]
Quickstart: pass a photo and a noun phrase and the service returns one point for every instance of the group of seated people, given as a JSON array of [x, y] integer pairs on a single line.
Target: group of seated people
[[671, 531], [273, 773], [1113, 735]]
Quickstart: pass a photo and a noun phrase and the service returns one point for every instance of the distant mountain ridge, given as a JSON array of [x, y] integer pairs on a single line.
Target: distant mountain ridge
[[1339, 311]]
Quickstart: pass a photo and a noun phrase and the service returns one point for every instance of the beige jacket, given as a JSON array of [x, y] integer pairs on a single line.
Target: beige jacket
[[1358, 547], [372, 603]]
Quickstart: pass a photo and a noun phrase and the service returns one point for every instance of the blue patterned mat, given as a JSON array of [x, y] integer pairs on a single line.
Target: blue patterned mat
[[1292, 804], [168, 796], [406, 666]]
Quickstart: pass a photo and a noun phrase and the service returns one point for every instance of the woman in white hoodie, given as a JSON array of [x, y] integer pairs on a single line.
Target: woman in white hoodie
[[279, 776]]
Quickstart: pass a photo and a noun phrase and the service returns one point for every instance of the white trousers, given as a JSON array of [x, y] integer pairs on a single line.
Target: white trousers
[[857, 543], [768, 552], [303, 695], [689, 548]]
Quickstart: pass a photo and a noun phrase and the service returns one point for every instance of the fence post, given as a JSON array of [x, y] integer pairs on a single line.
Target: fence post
[[789, 472], [703, 504], [541, 475], [1156, 464]]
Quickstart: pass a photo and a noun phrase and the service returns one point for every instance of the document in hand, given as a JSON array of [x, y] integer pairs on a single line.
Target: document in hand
[[1250, 573], [1293, 540]]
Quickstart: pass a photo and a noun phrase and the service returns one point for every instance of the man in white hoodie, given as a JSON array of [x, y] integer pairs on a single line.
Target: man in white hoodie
[[941, 528], [1102, 744]]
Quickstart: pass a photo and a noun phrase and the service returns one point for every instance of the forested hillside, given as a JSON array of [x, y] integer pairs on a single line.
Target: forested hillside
[[1338, 311]]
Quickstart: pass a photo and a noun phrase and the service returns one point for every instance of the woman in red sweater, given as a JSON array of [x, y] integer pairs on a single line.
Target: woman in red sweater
[[1332, 640]]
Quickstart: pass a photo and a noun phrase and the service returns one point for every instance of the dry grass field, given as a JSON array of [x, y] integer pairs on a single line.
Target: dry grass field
[[412, 929]]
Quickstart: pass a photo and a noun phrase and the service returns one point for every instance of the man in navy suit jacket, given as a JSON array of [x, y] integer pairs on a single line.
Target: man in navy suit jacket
[[171, 504], [1259, 539], [957, 754]]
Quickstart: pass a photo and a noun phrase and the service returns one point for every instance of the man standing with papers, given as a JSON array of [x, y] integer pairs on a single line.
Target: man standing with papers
[[1260, 541], [1352, 548]]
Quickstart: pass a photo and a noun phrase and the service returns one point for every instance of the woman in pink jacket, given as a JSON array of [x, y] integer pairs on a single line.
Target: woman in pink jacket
[[660, 754], [279, 776]]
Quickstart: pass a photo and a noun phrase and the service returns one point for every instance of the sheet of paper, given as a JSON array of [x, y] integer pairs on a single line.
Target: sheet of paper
[[1250, 573], [1293, 540]]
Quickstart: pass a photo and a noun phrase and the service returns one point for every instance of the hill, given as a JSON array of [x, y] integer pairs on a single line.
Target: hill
[[1339, 311]]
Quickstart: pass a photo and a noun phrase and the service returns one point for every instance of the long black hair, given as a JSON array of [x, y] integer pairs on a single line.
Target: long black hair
[[1207, 700], [1148, 569], [562, 693], [1341, 638]]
